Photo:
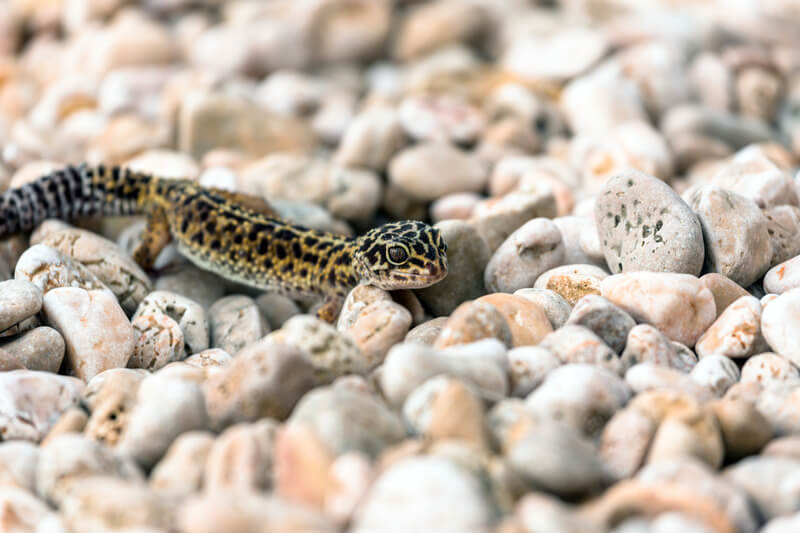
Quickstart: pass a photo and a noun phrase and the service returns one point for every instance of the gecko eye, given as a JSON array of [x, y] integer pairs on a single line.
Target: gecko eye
[[397, 255]]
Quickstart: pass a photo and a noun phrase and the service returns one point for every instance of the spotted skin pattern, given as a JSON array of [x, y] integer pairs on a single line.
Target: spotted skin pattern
[[237, 236]]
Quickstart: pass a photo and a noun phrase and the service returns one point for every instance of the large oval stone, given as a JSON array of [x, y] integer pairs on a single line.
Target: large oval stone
[[644, 225]]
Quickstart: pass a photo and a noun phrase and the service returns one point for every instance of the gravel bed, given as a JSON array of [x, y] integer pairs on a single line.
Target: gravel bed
[[616, 347]]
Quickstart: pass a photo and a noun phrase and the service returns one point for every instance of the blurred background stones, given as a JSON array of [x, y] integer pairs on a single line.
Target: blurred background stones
[[615, 347]]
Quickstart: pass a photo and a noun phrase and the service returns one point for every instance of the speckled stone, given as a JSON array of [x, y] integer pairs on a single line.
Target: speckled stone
[[159, 340], [735, 233], [644, 225], [663, 300], [189, 315]]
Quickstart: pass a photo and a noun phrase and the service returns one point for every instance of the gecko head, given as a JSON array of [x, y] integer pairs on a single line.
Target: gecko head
[[402, 255]]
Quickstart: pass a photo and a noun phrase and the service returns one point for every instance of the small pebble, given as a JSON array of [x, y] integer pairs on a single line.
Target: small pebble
[[783, 226], [347, 419], [577, 344], [553, 457], [189, 315], [106, 261], [735, 233], [769, 368], [724, 290], [780, 320], [555, 307], [663, 299], [180, 471], [528, 366], [379, 326], [96, 332], [332, 353], [473, 321], [47, 268], [645, 344], [482, 365], [265, 379], [32, 402], [234, 322], [19, 299], [414, 493], [756, 177], [736, 332], [783, 276], [443, 408], [527, 253], [165, 408], [73, 456], [572, 282], [241, 457], [41, 348], [716, 372], [497, 218], [605, 319], [769, 481], [430, 170], [158, 341], [600, 393], [526, 321]]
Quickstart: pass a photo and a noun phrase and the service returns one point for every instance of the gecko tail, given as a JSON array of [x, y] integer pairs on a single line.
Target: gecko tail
[[72, 192]]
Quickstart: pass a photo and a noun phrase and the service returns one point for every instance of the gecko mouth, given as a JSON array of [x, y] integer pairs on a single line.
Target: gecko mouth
[[411, 280]]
